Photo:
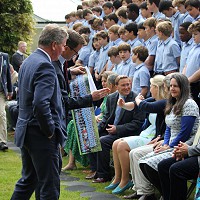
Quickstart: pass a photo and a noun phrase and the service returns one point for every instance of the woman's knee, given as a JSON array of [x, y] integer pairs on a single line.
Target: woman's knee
[[122, 147]]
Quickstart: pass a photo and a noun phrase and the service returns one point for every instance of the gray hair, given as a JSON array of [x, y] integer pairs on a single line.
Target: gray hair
[[52, 33]]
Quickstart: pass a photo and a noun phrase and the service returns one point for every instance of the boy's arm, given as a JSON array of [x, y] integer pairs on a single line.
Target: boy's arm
[[195, 77], [144, 91], [104, 68]]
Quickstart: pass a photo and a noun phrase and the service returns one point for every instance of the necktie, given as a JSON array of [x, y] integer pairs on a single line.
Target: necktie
[[117, 114], [197, 136]]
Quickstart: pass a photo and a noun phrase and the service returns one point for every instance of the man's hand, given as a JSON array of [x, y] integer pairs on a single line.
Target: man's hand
[[98, 94], [77, 70], [180, 151], [121, 102], [112, 129]]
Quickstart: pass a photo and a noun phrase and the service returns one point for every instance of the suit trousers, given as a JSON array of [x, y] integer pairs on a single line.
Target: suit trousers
[[41, 166], [103, 157], [174, 175], [141, 185], [3, 123]]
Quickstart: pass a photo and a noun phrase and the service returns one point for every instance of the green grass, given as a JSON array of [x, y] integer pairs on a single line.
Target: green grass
[[10, 172]]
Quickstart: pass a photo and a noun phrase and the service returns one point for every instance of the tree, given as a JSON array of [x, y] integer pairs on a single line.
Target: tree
[[16, 23]]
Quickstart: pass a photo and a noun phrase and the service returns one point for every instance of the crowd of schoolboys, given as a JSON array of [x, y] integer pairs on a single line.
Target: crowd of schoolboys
[[140, 39]]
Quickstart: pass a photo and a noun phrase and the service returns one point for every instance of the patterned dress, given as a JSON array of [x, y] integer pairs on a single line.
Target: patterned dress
[[173, 121]]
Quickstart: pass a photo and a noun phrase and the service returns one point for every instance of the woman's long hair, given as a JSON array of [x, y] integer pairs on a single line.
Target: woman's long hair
[[177, 104]]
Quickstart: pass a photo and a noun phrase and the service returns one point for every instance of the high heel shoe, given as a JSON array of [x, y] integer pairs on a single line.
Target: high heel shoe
[[112, 186], [119, 190]]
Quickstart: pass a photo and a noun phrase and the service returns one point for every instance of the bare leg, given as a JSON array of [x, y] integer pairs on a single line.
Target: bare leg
[[123, 155], [117, 166], [71, 164]]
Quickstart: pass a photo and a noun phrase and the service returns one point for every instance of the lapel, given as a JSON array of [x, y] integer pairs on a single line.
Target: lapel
[[113, 102]]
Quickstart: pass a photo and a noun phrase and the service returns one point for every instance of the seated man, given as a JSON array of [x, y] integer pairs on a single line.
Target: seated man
[[116, 123]]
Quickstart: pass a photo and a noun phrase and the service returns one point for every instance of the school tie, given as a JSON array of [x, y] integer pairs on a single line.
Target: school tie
[[197, 136], [117, 114]]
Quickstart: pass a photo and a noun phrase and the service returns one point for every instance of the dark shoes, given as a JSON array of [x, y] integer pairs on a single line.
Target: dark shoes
[[100, 180], [132, 196], [148, 197], [3, 146]]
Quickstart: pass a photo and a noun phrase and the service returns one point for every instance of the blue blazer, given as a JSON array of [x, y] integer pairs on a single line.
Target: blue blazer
[[5, 73], [40, 100]]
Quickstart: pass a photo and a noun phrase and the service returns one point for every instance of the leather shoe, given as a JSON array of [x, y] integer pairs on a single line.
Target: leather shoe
[[3, 146], [132, 196], [148, 197], [91, 175], [100, 180], [119, 190]]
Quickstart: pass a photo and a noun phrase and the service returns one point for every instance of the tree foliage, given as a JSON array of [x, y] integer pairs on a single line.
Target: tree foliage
[[16, 23]]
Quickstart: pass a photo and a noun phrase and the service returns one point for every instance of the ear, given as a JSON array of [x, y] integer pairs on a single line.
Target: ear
[[53, 45]]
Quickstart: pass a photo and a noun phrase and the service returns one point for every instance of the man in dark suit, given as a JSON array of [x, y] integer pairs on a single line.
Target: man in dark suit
[[74, 43], [5, 93], [116, 123], [19, 56], [41, 127]]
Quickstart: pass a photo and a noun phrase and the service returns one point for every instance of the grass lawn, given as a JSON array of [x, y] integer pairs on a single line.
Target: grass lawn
[[10, 170]]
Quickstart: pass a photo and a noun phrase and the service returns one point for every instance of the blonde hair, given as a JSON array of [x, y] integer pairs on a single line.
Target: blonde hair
[[158, 82], [114, 29], [165, 28]]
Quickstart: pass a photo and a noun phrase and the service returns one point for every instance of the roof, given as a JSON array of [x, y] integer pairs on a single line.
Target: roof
[[53, 10]]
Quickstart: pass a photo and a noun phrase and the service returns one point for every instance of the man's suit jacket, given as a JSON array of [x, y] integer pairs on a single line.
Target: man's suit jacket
[[70, 103], [5, 73], [130, 122], [17, 60], [40, 100]]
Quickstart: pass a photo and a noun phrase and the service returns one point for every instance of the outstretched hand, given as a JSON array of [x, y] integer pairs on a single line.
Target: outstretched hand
[[99, 94], [77, 70]]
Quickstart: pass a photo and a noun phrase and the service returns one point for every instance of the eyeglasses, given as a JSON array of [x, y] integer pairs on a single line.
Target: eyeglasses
[[72, 49]]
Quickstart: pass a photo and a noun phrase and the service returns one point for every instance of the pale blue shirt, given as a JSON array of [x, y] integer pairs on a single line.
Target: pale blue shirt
[[117, 42], [139, 19], [151, 45], [187, 18], [93, 59], [116, 68], [159, 15], [177, 20], [193, 61], [186, 47], [84, 55], [141, 78], [126, 68], [134, 43], [103, 58], [170, 53], [158, 58]]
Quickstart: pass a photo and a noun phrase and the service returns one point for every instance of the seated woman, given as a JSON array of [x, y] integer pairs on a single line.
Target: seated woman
[[104, 82], [182, 118], [123, 146]]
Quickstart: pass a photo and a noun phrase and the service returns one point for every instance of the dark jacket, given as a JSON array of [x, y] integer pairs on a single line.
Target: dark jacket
[[130, 122], [5, 73], [40, 100]]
